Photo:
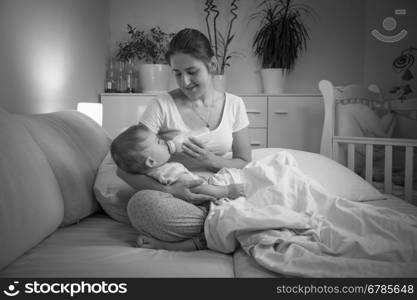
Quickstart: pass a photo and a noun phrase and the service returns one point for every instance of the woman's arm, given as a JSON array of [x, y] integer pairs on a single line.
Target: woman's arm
[[141, 182], [179, 189], [242, 154]]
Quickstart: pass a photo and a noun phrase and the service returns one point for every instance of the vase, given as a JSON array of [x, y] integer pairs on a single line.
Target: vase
[[219, 82], [154, 78], [273, 81]]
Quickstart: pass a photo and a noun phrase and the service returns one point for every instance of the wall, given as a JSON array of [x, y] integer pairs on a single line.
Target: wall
[[52, 53], [379, 55], [336, 49]]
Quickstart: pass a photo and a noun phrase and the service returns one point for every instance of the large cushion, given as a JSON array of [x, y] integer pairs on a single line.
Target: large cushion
[[334, 177], [112, 193], [74, 146], [31, 205]]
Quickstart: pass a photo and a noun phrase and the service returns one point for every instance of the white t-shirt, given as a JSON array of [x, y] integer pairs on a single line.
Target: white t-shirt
[[162, 117]]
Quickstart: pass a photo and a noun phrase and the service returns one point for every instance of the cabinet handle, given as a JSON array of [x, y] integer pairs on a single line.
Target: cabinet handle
[[255, 143], [281, 112], [253, 112]]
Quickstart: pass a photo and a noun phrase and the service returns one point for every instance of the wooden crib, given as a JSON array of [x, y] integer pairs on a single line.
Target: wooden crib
[[333, 140]]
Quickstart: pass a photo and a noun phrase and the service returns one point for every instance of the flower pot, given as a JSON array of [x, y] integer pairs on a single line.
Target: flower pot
[[219, 82], [273, 81], [154, 78]]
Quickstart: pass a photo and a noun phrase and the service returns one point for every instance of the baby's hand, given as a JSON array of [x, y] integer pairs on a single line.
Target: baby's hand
[[221, 201], [236, 190]]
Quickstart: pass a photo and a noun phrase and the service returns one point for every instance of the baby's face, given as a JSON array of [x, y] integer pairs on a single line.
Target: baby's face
[[158, 150]]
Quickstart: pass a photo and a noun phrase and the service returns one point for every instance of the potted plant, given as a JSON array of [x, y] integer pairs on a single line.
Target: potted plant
[[218, 41], [280, 40], [149, 48]]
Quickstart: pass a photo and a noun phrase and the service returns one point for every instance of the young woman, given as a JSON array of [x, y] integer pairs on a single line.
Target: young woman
[[172, 217]]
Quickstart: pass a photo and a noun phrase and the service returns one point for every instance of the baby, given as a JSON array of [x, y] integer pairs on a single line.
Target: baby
[[140, 151]]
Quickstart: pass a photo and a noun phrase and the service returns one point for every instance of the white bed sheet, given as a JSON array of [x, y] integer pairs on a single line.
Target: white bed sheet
[[290, 224], [247, 267]]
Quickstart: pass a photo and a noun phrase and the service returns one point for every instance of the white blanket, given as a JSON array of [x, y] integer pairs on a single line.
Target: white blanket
[[289, 224]]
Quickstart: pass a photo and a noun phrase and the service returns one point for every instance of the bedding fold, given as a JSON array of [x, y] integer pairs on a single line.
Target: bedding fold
[[291, 225]]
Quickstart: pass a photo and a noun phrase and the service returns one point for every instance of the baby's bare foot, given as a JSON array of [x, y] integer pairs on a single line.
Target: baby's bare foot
[[236, 190], [144, 241], [221, 201]]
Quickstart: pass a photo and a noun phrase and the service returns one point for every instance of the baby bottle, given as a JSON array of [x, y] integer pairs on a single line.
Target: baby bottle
[[175, 145]]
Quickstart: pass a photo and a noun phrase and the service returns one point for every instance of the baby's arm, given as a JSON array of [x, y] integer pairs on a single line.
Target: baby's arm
[[231, 191]]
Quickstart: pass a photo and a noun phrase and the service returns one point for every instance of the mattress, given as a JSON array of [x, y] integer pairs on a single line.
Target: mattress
[[246, 266], [101, 247], [398, 175], [397, 190]]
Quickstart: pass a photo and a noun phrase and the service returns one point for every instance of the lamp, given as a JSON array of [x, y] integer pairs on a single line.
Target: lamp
[[92, 110]]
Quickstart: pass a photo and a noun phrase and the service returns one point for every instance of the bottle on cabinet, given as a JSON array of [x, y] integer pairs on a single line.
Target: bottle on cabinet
[[110, 85], [121, 79], [130, 77]]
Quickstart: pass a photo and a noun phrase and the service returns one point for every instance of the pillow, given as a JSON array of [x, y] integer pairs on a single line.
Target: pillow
[[359, 120], [74, 146], [31, 204], [111, 192], [334, 177]]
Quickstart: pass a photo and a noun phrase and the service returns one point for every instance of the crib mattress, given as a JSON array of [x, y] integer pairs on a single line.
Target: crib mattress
[[101, 247], [246, 266], [397, 190]]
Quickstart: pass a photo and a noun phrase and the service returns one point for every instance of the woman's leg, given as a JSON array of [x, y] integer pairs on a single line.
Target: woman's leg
[[164, 220]]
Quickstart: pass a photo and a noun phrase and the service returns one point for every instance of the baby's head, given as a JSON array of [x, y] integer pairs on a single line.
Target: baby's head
[[138, 150]]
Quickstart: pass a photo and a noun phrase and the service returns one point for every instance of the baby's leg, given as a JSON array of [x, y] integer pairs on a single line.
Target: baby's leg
[[231, 191]]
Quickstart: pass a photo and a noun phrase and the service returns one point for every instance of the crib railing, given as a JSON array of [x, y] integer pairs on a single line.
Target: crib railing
[[369, 143]]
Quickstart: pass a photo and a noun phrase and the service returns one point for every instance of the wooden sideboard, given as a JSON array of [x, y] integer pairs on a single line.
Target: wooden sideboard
[[292, 121]]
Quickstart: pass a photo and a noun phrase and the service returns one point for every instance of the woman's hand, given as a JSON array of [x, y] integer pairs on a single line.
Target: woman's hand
[[182, 190], [194, 148]]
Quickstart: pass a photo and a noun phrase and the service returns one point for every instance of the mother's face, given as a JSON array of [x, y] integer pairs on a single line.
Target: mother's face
[[191, 74]]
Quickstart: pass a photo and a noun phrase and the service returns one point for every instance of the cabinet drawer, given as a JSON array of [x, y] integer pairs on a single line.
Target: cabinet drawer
[[257, 137], [256, 107], [295, 122]]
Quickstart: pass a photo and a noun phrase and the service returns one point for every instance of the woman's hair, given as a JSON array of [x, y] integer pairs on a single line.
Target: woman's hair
[[192, 42], [127, 149]]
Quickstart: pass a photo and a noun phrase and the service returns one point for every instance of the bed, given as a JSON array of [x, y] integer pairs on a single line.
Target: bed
[[373, 137]]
